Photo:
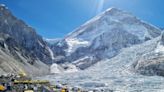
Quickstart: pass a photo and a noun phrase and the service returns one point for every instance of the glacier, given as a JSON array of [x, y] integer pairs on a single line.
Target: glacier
[[115, 74]]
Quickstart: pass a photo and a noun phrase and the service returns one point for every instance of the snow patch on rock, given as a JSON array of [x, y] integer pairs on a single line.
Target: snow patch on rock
[[51, 53], [75, 43], [159, 48], [71, 68], [55, 68], [65, 68]]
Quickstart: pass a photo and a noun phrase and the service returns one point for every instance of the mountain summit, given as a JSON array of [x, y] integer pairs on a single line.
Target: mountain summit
[[103, 37]]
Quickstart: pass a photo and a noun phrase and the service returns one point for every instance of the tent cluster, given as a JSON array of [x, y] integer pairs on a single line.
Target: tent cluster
[[22, 83]]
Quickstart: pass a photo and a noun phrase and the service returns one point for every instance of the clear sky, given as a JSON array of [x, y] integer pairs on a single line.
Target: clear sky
[[56, 18]]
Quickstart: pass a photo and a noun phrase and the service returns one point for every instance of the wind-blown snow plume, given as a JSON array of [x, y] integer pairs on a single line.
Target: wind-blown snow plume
[[100, 6]]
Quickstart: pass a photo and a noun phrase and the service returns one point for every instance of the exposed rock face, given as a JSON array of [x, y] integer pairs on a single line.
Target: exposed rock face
[[152, 66], [152, 63], [21, 42], [103, 37], [162, 39]]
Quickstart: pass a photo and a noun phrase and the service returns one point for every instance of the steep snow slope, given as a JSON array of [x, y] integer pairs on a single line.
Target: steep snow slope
[[117, 73], [103, 37], [110, 19]]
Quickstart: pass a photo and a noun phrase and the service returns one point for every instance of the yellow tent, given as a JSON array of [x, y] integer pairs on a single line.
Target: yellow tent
[[31, 82], [28, 91], [2, 88], [22, 73]]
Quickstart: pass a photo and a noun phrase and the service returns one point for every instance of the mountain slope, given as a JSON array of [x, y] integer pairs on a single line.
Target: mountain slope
[[9, 64], [22, 44], [103, 37]]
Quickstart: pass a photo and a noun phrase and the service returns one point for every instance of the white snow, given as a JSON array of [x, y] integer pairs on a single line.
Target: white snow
[[6, 21], [88, 23], [159, 48], [150, 24], [51, 53], [137, 30], [81, 59], [2, 5], [71, 69], [52, 41], [97, 17], [75, 43], [55, 68], [40, 43], [116, 73], [47, 39], [104, 24]]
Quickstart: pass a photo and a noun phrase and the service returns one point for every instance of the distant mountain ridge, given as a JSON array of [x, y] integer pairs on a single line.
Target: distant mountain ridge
[[52, 41]]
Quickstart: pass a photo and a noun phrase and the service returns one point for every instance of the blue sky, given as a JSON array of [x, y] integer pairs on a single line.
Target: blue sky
[[56, 18]]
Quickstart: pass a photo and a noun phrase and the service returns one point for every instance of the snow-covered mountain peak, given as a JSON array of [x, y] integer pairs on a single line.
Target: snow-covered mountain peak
[[114, 19], [94, 19], [104, 36], [113, 10]]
